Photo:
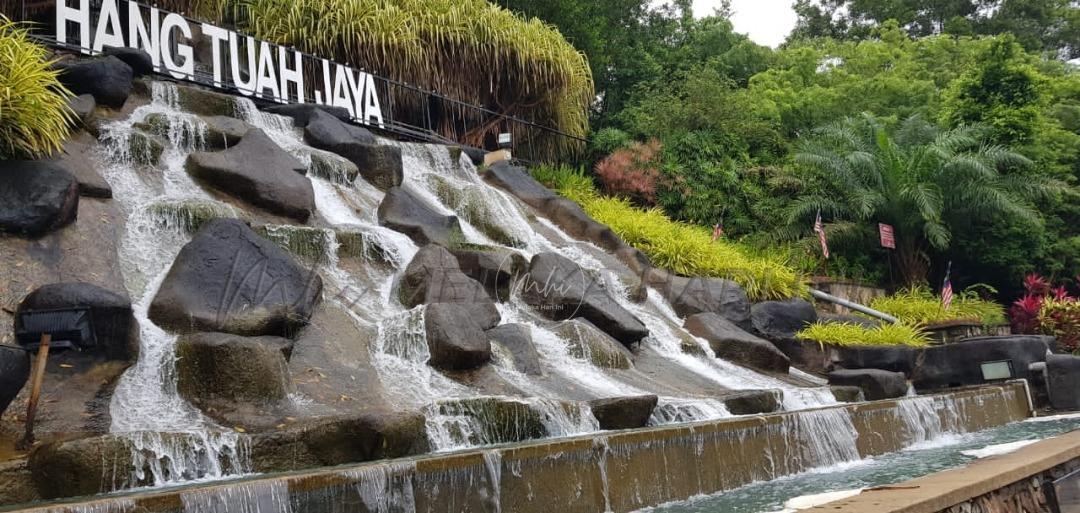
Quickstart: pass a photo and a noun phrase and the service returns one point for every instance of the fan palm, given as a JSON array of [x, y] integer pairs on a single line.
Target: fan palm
[[916, 178]]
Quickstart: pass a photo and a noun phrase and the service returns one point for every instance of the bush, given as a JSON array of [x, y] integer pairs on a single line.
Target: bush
[[847, 334], [1060, 318], [919, 306], [563, 177], [632, 172], [34, 114], [688, 249]]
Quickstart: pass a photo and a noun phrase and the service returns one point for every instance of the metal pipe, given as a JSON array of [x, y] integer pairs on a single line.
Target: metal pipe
[[854, 306]]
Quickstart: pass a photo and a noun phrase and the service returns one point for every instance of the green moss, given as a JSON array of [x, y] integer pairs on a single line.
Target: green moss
[[144, 148], [309, 244], [589, 343], [331, 167], [363, 246], [492, 420], [471, 205], [188, 216]]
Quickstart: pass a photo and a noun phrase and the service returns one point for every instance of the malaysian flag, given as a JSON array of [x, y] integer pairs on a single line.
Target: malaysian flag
[[718, 231], [946, 289], [819, 229]]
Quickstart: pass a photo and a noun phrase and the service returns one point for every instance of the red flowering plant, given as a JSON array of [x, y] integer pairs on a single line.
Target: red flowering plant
[[632, 172], [1048, 310]]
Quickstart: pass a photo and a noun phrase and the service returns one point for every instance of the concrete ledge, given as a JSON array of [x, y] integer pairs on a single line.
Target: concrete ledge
[[943, 490]]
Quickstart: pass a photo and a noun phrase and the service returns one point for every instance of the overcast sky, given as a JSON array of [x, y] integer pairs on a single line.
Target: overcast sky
[[768, 22]]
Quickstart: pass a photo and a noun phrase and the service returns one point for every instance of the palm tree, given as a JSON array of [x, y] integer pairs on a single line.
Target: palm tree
[[916, 178]]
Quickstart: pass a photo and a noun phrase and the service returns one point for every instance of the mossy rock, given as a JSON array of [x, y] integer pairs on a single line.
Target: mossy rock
[[144, 148], [312, 245], [215, 133], [331, 167], [206, 103], [188, 216], [219, 367], [363, 246], [493, 420], [589, 343], [470, 204]]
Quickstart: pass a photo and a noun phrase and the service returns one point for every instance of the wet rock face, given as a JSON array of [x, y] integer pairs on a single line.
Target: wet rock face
[[455, 339], [36, 197], [76, 158], [497, 420], [496, 270], [230, 280], [80, 467], [110, 315], [339, 440], [108, 79], [258, 171], [14, 372], [1063, 381], [589, 343], [379, 165], [215, 367], [517, 340], [847, 394], [733, 344], [890, 358], [781, 320], [83, 107], [559, 289], [403, 212], [623, 412], [433, 276], [516, 181], [876, 384], [303, 113]]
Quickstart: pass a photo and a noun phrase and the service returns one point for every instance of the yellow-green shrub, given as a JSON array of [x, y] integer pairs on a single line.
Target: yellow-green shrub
[[849, 334], [688, 249], [34, 114], [922, 307]]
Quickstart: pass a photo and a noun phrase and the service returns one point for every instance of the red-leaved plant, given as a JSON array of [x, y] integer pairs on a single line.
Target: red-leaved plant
[[632, 172], [1047, 310]]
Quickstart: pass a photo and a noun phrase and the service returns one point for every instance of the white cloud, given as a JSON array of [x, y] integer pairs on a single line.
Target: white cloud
[[767, 22]]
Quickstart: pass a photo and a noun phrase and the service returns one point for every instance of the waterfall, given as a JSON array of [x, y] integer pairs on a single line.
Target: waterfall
[[386, 488], [255, 497]]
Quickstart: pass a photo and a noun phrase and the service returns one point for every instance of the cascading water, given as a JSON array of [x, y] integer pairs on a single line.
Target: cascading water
[[173, 441]]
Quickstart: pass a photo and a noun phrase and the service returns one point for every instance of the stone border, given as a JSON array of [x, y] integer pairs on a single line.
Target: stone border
[[613, 471]]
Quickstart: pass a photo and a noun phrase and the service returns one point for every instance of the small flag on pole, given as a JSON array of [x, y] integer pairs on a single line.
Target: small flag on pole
[[718, 231], [819, 229], [946, 289]]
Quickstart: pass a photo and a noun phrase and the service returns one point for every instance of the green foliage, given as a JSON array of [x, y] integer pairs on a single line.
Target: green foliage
[[471, 50], [848, 334], [1060, 318], [34, 114], [564, 178], [915, 177], [688, 250], [920, 307]]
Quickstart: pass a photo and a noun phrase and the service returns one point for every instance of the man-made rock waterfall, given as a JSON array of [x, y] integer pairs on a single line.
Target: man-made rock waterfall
[[622, 471]]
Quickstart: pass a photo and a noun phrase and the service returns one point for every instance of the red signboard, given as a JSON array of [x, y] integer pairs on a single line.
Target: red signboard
[[888, 237]]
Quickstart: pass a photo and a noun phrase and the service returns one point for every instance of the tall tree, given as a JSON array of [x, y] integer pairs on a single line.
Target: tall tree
[[918, 178]]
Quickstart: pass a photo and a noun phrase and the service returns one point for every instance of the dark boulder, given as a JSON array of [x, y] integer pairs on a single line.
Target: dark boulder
[[455, 340], [326, 131], [433, 277], [497, 420], [338, 441], [213, 367], [517, 340], [754, 402], [781, 320], [517, 181], [108, 79], [14, 371], [36, 197], [228, 279], [735, 345], [496, 270], [623, 412], [403, 212], [302, 113], [807, 355], [197, 100], [691, 296], [380, 165], [960, 363], [258, 171], [77, 159], [559, 289], [110, 315], [476, 155], [1063, 381], [140, 62], [876, 384]]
